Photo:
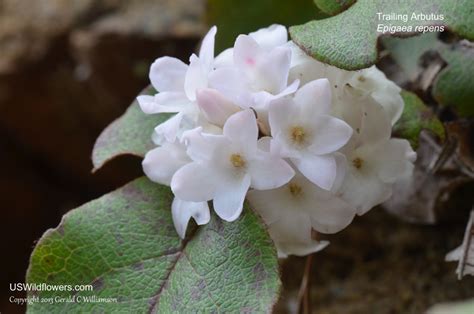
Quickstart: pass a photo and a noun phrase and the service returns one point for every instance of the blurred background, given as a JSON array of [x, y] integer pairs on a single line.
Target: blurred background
[[69, 68]]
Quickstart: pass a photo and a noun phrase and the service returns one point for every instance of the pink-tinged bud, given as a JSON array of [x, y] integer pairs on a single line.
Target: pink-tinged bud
[[214, 106]]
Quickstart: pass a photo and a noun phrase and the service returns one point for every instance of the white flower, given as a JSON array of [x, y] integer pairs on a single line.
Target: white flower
[[225, 166], [159, 165], [177, 84], [268, 38], [303, 131], [335, 129], [371, 81], [385, 92], [293, 210], [259, 72], [374, 160]]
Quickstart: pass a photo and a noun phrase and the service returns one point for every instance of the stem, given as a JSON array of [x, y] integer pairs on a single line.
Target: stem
[[304, 295]]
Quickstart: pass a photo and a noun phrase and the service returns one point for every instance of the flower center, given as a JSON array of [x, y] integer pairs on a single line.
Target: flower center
[[295, 189], [298, 135], [237, 161], [357, 162]]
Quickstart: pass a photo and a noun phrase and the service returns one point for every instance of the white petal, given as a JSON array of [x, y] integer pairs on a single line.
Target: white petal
[[269, 172], [375, 126], [147, 103], [182, 211], [194, 182], [206, 52], [232, 83], [225, 58], [167, 74], [321, 170], [455, 255], [214, 106], [392, 103], [300, 249], [247, 52], [229, 198], [196, 77], [292, 235], [264, 144], [288, 216], [161, 163], [270, 204], [329, 134], [163, 102], [332, 215], [270, 37], [395, 162], [241, 128], [202, 147], [171, 101], [364, 192], [374, 82], [272, 71], [315, 98], [261, 100], [341, 170], [290, 89], [168, 130], [280, 112], [298, 56]]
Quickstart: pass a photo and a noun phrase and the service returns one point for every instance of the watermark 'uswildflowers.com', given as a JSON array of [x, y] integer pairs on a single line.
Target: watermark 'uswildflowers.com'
[[48, 287]]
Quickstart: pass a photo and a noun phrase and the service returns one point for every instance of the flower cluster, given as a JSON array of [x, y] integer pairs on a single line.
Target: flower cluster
[[309, 145]]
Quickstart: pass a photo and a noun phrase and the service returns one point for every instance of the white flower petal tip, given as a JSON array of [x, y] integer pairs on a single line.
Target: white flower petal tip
[[146, 103], [168, 130], [206, 52], [183, 211], [273, 36], [161, 163], [300, 249], [167, 74]]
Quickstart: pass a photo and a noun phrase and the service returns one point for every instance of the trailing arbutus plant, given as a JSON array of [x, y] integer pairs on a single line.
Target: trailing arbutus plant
[[248, 156]]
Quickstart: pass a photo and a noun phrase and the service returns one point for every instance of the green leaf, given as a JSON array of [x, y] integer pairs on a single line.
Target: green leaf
[[124, 245], [128, 135], [415, 118], [241, 17], [333, 7], [349, 40], [454, 85]]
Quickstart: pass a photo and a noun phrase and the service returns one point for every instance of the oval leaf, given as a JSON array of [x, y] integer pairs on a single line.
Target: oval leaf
[[454, 85], [130, 134], [349, 39], [333, 7], [125, 246]]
